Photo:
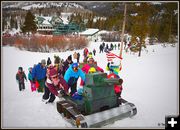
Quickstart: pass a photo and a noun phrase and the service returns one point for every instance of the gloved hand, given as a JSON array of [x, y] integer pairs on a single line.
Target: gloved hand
[[68, 94], [60, 95]]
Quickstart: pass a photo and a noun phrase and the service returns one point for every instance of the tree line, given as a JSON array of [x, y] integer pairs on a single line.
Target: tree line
[[154, 20]]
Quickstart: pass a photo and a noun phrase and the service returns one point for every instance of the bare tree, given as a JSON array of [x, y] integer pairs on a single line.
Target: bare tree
[[123, 28]]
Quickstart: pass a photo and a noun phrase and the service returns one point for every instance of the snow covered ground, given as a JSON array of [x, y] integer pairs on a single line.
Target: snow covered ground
[[150, 82]]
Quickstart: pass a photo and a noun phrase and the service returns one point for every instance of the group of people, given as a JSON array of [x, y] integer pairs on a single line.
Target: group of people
[[105, 47], [58, 79]]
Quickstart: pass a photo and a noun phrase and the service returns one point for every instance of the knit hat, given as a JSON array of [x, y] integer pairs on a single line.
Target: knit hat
[[90, 59], [20, 68], [43, 61], [53, 72], [30, 68], [74, 65]]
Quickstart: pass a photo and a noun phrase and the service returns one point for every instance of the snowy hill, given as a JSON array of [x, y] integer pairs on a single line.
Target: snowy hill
[[31, 5], [150, 82]]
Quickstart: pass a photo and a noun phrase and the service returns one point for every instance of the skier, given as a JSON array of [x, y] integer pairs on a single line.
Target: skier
[[20, 76], [71, 76], [33, 87]]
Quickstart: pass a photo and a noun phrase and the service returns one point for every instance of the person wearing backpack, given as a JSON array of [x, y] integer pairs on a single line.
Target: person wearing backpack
[[20, 77]]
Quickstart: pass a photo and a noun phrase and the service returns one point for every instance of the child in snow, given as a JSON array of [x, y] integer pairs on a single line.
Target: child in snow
[[71, 76], [117, 88], [114, 71], [91, 63], [33, 87], [20, 76]]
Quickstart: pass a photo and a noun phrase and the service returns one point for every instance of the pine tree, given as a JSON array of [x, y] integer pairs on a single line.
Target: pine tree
[[169, 17], [140, 27], [29, 24]]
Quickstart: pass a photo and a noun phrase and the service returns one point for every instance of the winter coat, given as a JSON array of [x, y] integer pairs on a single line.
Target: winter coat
[[49, 61], [78, 55], [30, 76], [71, 77], [38, 72], [94, 51], [66, 65], [61, 85], [117, 88], [20, 76], [86, 68], [85, 52]]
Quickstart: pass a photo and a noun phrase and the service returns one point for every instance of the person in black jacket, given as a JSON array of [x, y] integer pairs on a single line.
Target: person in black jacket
[[66, 64], [78, 57], [48, 61]]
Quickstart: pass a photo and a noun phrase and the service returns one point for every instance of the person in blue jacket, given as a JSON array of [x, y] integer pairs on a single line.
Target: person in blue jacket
[[71, 76], [39, 75]]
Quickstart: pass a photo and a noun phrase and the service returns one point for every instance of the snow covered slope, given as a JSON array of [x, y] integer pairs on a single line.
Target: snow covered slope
[[150, 82], [32, 5]]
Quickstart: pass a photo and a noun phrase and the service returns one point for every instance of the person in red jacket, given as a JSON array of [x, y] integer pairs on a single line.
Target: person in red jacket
[[91, 63], [117, 88], [56, 83], [20, 77]]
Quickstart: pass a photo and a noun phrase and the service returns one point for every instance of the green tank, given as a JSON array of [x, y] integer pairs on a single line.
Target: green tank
[[99, 105], [99, 93]]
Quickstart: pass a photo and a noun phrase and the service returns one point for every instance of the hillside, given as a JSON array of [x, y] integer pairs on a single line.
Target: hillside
[[150, 82]]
